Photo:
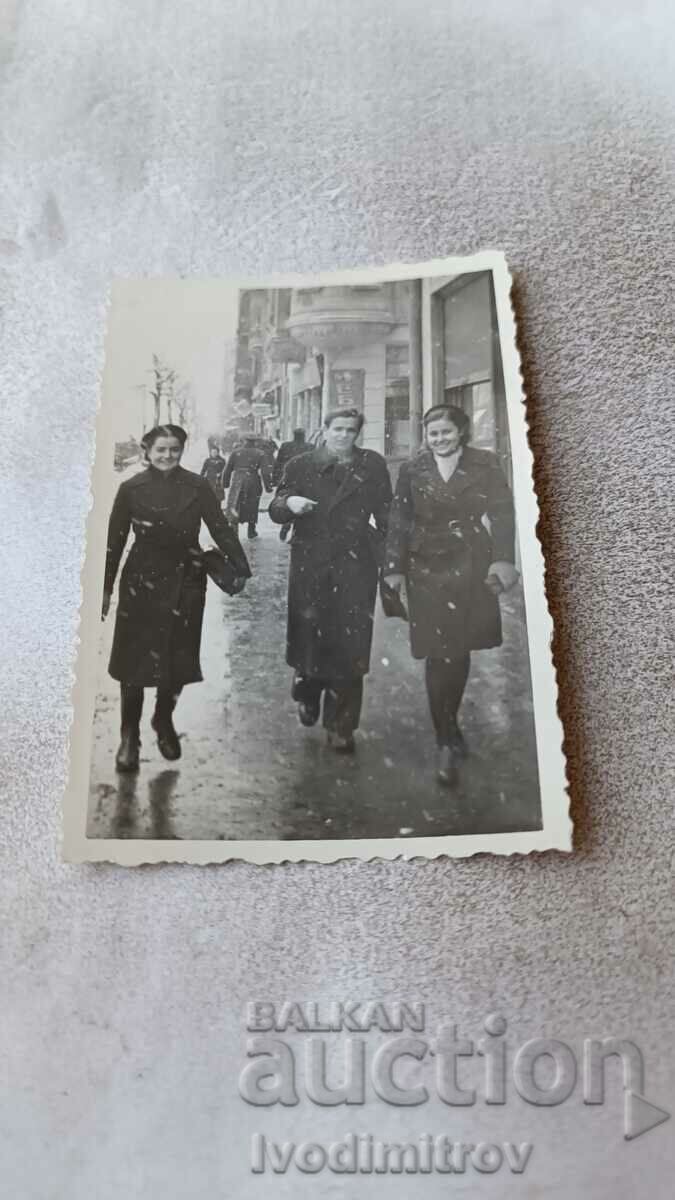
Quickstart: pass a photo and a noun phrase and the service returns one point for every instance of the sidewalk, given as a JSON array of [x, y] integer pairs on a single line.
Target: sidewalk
[[250, 771]]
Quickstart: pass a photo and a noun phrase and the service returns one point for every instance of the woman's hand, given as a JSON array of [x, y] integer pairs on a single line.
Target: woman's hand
[[299, 505], [105, 606], [501, 577], [238, 584]]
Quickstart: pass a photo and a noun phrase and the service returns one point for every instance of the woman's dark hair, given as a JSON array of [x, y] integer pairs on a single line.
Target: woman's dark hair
[[351, 414], [458, 417], [148, 440]]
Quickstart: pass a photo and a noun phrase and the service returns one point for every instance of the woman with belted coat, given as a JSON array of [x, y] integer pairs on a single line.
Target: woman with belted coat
[[162, 589], [441, 558]]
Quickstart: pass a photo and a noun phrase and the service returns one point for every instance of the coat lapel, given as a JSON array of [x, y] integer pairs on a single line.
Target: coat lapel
[[434, 482], [355, 477]]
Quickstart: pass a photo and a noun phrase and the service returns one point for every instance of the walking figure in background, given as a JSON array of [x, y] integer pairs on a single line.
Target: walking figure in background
[[163, 585], [329, 495], [249, 467], [287, 451], [447, 568], [212, 472]]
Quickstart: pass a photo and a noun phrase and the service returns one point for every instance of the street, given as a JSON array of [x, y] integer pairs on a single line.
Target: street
[[250, 771]]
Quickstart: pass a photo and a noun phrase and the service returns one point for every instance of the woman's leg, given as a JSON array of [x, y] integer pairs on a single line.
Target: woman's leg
[[446, 682], [162, 722], [131, 706]]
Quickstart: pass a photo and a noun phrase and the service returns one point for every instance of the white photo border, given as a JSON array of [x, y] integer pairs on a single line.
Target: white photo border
[[556, 831]]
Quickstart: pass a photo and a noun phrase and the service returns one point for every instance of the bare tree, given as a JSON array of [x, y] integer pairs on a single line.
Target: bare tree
[[182, 398], [163, 381]]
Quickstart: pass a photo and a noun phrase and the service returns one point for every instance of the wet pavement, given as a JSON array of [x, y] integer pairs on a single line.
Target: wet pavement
[[250, 771]]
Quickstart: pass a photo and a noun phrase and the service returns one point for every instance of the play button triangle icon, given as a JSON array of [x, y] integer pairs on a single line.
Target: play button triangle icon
[[640, 1115]]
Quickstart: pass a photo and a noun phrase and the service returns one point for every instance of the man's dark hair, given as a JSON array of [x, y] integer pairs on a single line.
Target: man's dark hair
[[352, 414]]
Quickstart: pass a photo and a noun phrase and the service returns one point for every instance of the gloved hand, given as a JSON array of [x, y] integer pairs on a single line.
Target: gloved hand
[[299, 505], [501, 577]]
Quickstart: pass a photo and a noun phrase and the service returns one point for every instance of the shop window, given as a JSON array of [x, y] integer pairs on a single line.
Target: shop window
[[466, 363], [397, 401], [477, 401]]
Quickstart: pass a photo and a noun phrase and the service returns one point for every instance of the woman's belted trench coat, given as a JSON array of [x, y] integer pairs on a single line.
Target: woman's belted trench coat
[[438, 540], [163, 584]]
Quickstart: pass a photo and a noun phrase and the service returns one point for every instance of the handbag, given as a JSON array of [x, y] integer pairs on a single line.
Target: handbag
[[220, 570]]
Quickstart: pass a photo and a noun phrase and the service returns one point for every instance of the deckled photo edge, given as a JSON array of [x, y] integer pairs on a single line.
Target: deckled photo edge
[[556, 830]]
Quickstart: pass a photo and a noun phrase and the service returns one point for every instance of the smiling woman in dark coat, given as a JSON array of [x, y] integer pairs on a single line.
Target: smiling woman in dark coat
[[163, 586], [441, 557]]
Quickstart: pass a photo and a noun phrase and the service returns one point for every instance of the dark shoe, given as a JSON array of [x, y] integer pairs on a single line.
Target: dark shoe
[[342, 745], [284, 532], [446, 770], [167, 738], [252, 533], [308, 713], [127, 756]]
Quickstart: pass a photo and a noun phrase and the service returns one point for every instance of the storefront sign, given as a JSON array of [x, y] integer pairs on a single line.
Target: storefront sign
[[347, 387]]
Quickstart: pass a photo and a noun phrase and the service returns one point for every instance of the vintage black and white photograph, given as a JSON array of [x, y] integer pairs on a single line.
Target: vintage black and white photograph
[[314, 622]]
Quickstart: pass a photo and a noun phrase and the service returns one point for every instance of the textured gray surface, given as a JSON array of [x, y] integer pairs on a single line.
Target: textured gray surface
[[222, 137]]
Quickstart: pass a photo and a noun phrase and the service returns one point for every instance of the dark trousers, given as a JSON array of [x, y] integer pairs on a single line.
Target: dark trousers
[[132, 705], [445, 687], [342, 701]]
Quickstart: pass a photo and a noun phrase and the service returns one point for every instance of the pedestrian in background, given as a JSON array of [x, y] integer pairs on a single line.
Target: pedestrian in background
[[446, 567], [330, 495], [249, 468], [287, 451], [162, 589], [212, 472]]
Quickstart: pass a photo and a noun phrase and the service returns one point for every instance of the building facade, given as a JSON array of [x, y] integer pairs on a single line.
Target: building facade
[[391, 350]]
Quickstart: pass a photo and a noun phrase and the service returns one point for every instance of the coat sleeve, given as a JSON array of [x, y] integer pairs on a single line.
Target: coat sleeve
[[118, 532], [229, 468], [267, 471], [382, 503], [400, 525], [499, 511], [279, 466], [289, 486], [222, 532], [204, 468]]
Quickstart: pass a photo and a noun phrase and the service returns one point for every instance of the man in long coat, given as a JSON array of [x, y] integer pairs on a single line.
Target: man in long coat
[[330, 496], [248, 468]]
